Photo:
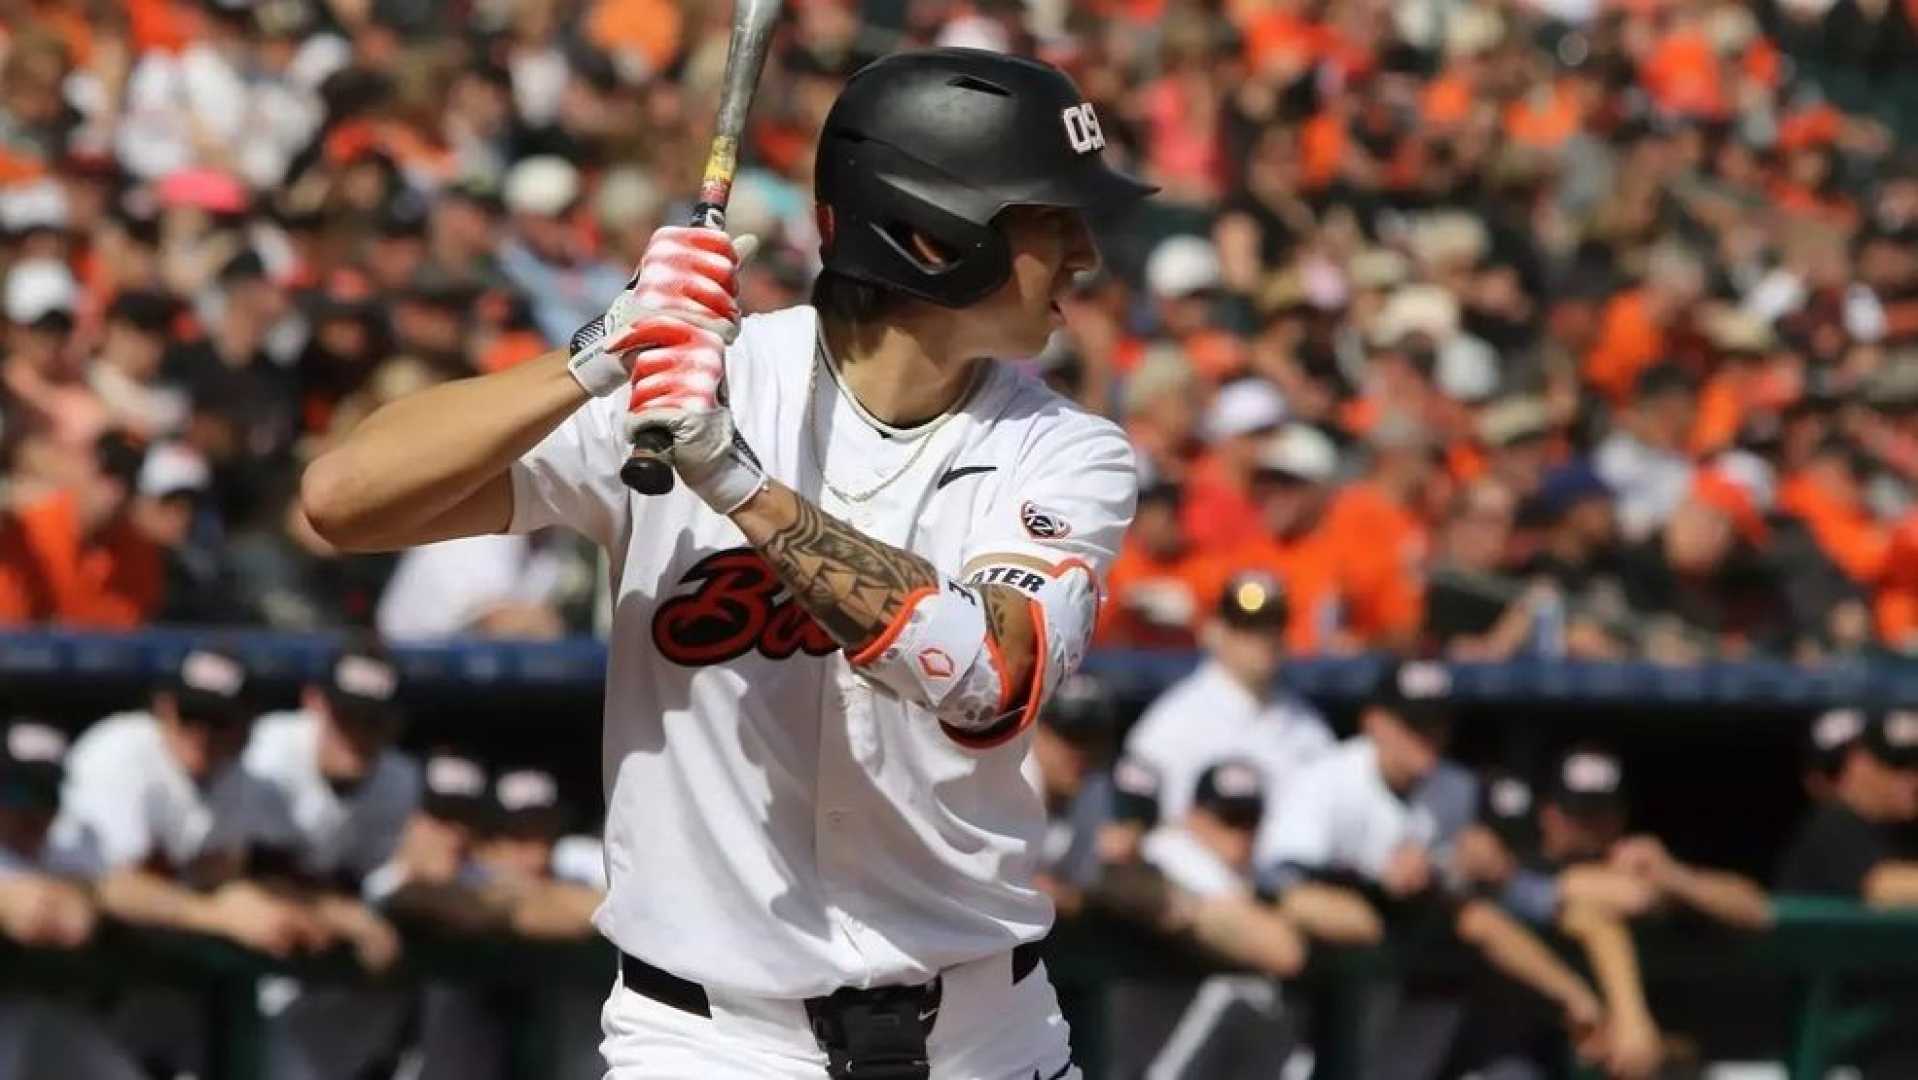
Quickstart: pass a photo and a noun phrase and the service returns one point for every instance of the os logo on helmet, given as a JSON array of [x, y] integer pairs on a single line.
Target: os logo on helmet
[[1083, 130]]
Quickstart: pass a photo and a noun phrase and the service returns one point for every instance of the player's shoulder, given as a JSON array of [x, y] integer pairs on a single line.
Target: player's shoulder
[[773, 342], [278, 738], [1048, 423], [122, 737]]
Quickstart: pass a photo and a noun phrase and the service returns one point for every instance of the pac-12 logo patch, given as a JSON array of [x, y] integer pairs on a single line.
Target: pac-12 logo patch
[[738, 606], [1043, 524], [1083, 130]]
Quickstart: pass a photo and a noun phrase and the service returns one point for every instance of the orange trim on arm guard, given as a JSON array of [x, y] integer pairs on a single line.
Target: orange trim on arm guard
[[1064, 611], [938, 654]]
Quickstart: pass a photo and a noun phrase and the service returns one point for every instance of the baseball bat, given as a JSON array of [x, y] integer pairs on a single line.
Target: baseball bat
[[649, 469]]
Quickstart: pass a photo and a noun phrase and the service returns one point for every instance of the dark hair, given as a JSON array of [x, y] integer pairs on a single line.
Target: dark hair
[[849, 300]]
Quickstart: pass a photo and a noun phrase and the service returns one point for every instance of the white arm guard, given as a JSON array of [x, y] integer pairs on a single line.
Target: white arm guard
[[939, 654]]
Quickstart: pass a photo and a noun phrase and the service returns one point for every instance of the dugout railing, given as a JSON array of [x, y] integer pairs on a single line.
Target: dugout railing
[[1806, 963]]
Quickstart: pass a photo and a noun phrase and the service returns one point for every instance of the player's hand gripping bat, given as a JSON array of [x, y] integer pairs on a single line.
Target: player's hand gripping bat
[[649, 470]]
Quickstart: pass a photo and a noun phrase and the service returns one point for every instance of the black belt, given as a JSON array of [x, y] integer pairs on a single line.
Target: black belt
[[876, 1034], [685, 995]]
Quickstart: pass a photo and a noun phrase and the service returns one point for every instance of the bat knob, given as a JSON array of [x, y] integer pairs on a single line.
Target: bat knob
[[649, 470]]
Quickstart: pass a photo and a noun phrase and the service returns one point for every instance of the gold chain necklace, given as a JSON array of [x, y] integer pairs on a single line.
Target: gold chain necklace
[[822, 357]]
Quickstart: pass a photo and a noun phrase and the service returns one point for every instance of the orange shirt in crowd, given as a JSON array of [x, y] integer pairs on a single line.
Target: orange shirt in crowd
[[1218, 513], [1682, 75], [1731, 395], [1896, 604], [1546, 118], [1380, 548], [1171, 588], [1628, 343], [1308, 567], [1847, 532], [49, 572]]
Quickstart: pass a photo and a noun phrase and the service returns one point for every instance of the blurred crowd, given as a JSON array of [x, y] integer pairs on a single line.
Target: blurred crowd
[[295, 834], [1492, 328]]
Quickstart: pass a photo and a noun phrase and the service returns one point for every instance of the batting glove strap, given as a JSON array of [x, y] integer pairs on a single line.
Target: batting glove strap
[[597, 368], [726, 482]]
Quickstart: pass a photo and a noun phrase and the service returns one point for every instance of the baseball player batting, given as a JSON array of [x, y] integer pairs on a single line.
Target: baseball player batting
[[832, 636]]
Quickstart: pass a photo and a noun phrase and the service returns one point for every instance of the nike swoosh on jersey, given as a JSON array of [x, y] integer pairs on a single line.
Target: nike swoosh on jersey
[[1063, 1069], [961, 473]]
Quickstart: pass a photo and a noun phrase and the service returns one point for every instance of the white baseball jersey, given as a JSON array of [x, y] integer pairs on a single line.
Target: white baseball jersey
[[124, 786], [778, 825], [1338, 815], [333, 835], [1208, 717]]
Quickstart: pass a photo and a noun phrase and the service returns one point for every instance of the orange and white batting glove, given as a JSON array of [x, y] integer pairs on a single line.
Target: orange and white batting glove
[[688, 274], [679, 379]]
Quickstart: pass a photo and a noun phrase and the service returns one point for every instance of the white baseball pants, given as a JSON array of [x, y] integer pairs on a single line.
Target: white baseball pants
[[987, 1029]]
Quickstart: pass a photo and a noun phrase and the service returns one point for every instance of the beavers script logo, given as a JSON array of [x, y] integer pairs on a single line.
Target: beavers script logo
[[740, 605]]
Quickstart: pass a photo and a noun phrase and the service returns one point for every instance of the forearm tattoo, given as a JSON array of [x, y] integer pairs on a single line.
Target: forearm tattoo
[[853, 585]]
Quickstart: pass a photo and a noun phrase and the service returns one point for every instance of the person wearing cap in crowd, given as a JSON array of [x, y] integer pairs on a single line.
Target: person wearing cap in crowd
[[1470, 610], [186, 835], [542, 258], [75, 555], [46, 902], [1516, 434], [1071, 766], [1578, 555], [1154, 594], [536, 880], [125, 371], [1232, 706], [436, 847], [1358, 847], [1378, 524], [1854, 844], [1184, 278], [1644, 459], [1577, 869], [348, 794], [39, 376], [1225, 1026], [1296, 470], [176, 816], [1218, 510], [1857, 845], [45, 875], [1828, 742]]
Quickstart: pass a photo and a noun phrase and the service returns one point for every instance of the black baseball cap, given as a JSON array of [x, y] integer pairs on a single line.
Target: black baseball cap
[[1588, 782], [1082, 708], [145, 310], [1135, 792], [1892, 737], [1253, 600], [1831, 735], [363, 686], [1234, 791], [211, 686], [527, 802], [32, 764], [456, 788], [1419, 693], [1505, 804]]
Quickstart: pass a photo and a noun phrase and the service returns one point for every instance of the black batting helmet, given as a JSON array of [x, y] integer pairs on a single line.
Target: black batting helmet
[[939, 142]]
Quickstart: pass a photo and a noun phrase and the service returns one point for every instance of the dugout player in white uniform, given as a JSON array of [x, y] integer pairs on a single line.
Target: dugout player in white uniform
[[1232, 706], [46, 903], [347, 794], [830, 639]]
